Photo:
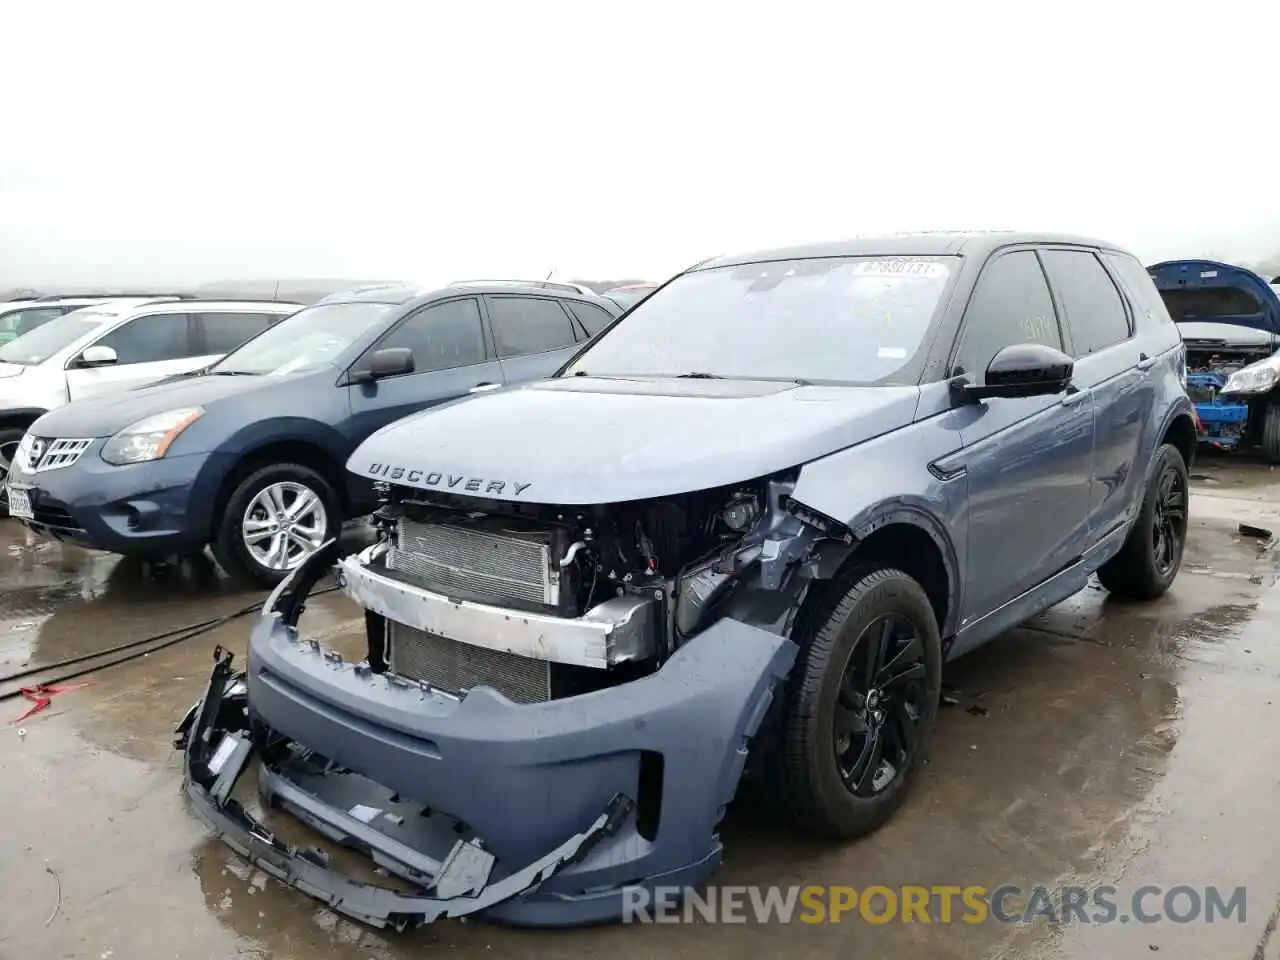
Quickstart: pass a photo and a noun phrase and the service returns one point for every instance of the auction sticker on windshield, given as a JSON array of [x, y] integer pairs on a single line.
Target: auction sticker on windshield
[[20, 504], [930, 269]]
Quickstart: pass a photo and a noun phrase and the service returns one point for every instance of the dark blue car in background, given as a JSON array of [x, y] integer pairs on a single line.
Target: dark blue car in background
[[248, 455], [1229, 318]]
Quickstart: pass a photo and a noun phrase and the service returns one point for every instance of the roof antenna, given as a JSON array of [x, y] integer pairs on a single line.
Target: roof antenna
[[275, 295]]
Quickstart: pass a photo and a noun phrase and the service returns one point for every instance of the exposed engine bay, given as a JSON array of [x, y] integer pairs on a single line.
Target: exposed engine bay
[[1213, 361], [653, 571], [1210, 364]]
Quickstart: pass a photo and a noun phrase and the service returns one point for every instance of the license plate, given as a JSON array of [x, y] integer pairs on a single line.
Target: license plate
[[226, 747], [20, 504]]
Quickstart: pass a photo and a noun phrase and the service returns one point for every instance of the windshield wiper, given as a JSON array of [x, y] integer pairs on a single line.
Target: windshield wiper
[[799, 382], [232, 373]]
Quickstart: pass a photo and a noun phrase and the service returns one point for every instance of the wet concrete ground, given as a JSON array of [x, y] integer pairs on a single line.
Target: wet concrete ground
[[1101, 744]]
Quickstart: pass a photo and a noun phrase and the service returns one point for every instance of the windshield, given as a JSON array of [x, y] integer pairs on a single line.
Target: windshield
[[834, 319], [38, 345], [18, 321], [311, 338]]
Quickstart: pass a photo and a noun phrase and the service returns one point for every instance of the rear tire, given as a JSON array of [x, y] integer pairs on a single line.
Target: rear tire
[[1148, 563], [279, 507], [10, 437], [850, 747], [1271, 431]]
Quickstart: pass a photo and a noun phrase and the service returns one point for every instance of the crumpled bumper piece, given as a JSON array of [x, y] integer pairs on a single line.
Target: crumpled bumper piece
[[216, 751], [525, 776], [563, 806]]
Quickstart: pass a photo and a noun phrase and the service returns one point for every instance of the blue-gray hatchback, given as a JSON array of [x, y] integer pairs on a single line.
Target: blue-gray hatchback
[[737, 536], [247, 455]]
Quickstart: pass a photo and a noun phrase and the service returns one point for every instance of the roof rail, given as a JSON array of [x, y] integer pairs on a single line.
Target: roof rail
[[542, 284], [211, 299], [141, 295]]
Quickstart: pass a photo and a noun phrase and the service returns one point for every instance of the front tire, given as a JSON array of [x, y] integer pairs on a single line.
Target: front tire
[[1147, 564], [860, 700], [274, 519], [10, 438], [1271, 431]]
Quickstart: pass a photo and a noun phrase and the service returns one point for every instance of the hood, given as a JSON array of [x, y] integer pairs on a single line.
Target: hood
[[10, 370], [585, 440], [1206, 291], [106, 416]]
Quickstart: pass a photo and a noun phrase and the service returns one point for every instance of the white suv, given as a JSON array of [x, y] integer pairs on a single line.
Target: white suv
[[22, 316], [116, 345]]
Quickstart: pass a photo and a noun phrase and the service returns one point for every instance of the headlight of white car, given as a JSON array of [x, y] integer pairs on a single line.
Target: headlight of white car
[[149, 438], [1256, 378]]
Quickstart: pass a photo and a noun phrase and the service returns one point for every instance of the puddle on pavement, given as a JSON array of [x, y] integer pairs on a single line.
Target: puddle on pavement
[[1105, 743]]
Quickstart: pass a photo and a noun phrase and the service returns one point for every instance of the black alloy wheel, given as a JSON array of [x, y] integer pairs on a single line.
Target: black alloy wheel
[[1169, 526], [880, 705]]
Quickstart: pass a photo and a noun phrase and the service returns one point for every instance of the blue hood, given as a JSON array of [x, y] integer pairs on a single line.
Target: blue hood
[[585, 440], [1206, 291], [107, 415]]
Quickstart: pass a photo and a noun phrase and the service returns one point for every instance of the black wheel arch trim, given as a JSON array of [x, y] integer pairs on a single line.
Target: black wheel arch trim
[[901, 511]]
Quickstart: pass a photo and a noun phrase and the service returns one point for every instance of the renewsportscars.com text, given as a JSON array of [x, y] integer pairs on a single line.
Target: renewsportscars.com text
[[972, 904]]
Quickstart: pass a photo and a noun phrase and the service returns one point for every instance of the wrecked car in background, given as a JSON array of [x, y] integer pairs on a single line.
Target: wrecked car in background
[[1230, 321], [629, 294], [736, 537]]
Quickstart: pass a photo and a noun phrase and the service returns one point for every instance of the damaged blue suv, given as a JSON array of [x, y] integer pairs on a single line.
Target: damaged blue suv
[[736, 537]]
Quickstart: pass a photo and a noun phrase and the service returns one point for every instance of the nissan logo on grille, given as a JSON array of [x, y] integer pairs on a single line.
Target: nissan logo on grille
[[35, 452]]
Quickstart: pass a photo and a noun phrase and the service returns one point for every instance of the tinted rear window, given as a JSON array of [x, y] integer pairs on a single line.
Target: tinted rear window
[[1095, 313]]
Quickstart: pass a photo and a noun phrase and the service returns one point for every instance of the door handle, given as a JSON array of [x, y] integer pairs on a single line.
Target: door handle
[[1145, 362], [1075, 396], [482, 387]]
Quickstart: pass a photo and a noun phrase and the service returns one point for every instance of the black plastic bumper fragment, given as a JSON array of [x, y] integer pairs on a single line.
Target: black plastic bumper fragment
[[217, 748]]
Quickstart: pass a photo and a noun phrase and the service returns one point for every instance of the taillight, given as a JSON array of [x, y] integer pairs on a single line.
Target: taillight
[[1182, 364]]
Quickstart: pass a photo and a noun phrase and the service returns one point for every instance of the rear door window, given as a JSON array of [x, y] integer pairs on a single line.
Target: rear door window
[[524, 325], [1095, 312], [224, 331], [153, 338], [1010, 304], [593, 318]]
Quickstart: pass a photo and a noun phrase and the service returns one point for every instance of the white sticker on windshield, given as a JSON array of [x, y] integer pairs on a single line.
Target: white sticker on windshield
[[297, 363], [930, 269], [891, 353], [1206, 274]]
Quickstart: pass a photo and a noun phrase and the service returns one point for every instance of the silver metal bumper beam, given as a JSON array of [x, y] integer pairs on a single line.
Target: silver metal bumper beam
[[619, 630]]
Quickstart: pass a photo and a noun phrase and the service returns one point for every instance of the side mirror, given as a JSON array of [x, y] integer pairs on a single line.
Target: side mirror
[[391, 362], [99, 356], [1020, 370]]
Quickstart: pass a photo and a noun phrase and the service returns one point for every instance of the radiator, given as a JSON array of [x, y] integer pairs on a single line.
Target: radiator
[[457, 667], [489, 563]]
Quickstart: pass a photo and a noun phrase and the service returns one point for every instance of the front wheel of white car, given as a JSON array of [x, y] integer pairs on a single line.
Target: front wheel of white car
[[275, 518], [9, 441]]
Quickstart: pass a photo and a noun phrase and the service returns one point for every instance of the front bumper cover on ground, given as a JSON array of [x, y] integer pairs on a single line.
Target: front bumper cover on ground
[[214, 758], [526, 814]]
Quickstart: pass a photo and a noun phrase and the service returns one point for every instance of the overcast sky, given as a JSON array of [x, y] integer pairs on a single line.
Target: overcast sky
[[141, 142]]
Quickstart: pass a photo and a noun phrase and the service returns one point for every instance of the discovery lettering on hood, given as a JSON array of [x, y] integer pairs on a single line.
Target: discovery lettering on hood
[[436, 480]]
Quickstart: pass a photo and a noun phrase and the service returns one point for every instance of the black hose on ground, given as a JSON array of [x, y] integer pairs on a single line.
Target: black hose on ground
[[136, 648]]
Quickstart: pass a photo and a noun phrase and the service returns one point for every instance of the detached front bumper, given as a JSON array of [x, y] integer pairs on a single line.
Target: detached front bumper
[[542, 814]]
